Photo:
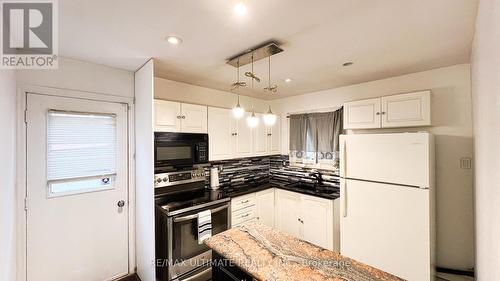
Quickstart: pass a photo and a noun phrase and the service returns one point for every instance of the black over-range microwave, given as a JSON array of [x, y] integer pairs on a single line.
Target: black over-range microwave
[[180, 150]]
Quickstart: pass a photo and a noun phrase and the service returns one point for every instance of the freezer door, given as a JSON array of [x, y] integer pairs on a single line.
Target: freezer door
[[388, 227], [393, 158]]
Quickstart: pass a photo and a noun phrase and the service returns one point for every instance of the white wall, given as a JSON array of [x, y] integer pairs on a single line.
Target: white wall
[[144, 88], [452, 126], [178, 91], [7, 176], [82, 76], [486, 101]]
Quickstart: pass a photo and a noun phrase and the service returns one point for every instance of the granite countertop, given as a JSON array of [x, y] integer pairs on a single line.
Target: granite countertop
[[242, 190], [268, 254]]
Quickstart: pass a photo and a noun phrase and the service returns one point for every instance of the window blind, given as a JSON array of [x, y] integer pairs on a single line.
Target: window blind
[[80, 145]]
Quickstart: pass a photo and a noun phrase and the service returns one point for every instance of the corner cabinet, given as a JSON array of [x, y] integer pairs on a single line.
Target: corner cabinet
[[170, 116], [404, 110]]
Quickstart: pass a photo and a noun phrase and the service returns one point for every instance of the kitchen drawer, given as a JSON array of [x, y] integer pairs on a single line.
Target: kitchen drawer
[[242, 223], [242, 202], [243, 215]]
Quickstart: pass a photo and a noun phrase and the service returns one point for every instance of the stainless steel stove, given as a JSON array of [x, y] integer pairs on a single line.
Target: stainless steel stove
[[179, 197]]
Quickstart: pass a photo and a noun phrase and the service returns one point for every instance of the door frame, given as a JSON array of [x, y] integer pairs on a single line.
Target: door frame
[[21, 187]]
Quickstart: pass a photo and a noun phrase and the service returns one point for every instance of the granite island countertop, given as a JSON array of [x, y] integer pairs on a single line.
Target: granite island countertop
[[268, 254]]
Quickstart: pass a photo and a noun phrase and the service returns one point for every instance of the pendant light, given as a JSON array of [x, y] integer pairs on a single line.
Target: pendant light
[[252, 120], [238, 111], [270, 118]]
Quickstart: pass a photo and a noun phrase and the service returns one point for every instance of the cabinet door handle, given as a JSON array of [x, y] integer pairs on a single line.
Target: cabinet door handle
[[378, 113], [383, 112], [243, 202], [183, 116], [178, 117]]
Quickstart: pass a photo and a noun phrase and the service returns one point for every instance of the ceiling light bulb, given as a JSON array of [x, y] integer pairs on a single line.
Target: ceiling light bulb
[[240, 9], [269, 118], [174, 40], [238, 111], [288, 80], [252, 120]]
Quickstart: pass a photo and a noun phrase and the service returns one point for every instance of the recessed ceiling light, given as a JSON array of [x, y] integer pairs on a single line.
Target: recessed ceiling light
[[288, 80], [349, 63], [240, 9], [174, 40]]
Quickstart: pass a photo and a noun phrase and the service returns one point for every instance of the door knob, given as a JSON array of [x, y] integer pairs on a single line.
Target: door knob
[[121, 203]]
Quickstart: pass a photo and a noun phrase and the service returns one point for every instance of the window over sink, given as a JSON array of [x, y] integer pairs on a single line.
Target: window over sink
[[314, 139]]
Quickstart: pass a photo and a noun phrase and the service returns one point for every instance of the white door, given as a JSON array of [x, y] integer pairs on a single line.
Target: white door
[[76, 181], [388, 227], [405, 110], [243, 137], [275, 137], [404, 158], [317, 217], [363, 114], [288, 212], [167, 116], [193, 118], [265, 206], [220, 133], [260, 136]]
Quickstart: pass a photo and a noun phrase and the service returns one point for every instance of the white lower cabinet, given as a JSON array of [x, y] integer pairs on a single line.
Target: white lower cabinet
[[310, 218], [307, 217], [265, 206]]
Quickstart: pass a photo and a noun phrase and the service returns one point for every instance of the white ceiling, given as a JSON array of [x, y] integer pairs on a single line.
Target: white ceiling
[[383, 38]]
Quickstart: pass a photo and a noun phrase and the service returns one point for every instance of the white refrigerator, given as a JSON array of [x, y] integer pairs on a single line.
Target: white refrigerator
[[387, 202]]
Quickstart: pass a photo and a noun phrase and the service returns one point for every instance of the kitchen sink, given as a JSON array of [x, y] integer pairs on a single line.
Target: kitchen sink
[[313, 187]]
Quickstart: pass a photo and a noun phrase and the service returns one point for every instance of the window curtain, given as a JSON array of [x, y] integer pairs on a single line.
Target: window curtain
[[314, 138]]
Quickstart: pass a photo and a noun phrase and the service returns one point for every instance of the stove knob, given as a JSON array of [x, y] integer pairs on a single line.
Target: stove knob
[[165, 179], [193, 175], [158, 180], [199, 174]]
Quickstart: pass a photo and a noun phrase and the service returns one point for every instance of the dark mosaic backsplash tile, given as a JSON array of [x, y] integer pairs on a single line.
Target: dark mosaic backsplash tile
[[281, 171], [235, 173], [238, 172]]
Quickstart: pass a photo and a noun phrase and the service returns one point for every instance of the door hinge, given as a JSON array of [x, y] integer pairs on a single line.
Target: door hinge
[[26, 116], [25, 203]]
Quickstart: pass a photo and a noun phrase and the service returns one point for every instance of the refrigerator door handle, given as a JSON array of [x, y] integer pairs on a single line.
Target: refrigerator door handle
[[344, 210], [344, 162]]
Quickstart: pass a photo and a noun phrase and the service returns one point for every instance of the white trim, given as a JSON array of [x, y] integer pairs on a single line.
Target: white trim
[[21, 143], [68, 93]]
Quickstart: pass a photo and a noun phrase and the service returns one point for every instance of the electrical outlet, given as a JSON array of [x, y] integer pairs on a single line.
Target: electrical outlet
[[465, 163]]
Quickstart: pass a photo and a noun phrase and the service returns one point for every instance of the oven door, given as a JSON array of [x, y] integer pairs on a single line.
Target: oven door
[[185, 254]]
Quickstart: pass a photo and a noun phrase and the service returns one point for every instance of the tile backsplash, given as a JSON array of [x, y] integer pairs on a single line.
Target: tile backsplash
[[235, 173], [281, 171]]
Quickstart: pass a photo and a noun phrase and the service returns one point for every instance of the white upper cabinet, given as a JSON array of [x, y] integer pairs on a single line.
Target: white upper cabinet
[[274, 138], [260, 137], [194, 118], [244, 137], [221, 133], [265, 207], [167, 116], [180, 117], [233, 138], [362, 114], [406, 110]]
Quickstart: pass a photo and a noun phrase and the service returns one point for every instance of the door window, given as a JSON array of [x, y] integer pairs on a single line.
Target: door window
[[81, 152]]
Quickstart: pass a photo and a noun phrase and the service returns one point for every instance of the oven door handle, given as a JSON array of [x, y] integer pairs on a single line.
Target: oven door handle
[[194, 216]]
